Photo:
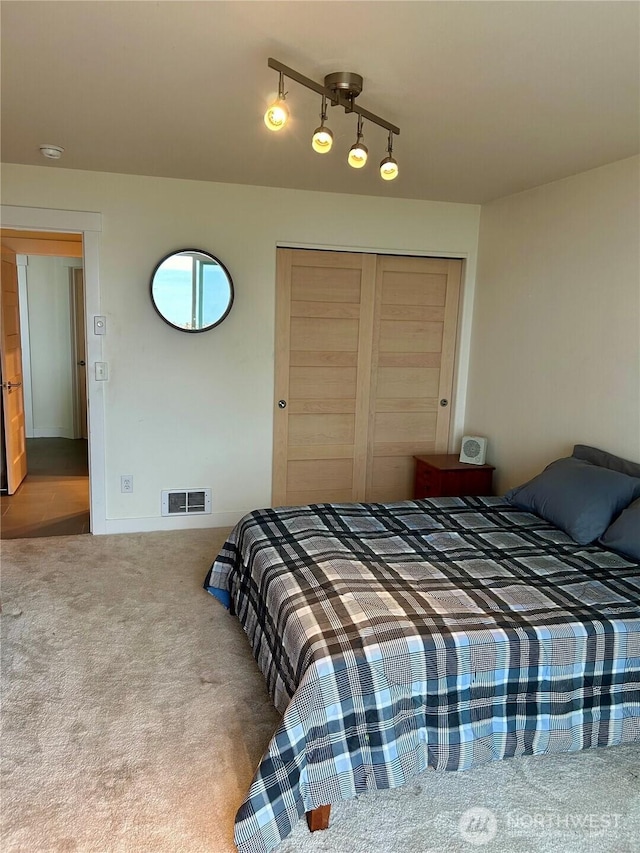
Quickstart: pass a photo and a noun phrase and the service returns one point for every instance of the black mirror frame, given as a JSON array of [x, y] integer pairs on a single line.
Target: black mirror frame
[[220, 264]]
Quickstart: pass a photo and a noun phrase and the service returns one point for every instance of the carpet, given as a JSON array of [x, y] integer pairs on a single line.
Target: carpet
[[133, 717]]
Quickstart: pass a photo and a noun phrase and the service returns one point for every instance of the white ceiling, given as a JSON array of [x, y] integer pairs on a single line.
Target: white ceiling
[[491, 97]]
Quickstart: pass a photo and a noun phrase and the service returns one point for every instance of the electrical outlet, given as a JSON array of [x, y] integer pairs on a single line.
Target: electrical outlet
[[126, 483]]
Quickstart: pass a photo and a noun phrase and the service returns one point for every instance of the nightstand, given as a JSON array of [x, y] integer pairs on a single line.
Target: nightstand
[[443, 475]]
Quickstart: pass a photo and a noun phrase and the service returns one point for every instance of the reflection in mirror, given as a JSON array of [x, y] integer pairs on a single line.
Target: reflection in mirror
[[191, 290]]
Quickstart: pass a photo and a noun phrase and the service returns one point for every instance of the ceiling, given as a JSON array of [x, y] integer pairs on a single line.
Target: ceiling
[[491, 97]]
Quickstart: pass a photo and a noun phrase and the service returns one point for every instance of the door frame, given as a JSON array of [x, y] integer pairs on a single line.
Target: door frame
[[78, 351], [89, 225]]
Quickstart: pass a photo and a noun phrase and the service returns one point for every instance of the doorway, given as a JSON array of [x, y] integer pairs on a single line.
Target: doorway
[[54, 496]]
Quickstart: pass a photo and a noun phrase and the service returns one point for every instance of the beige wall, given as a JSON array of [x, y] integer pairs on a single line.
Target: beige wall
[[196, 410], [556, 323], [555, 352]]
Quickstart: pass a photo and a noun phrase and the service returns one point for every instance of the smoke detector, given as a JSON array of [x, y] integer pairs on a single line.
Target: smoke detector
[[51, 152]]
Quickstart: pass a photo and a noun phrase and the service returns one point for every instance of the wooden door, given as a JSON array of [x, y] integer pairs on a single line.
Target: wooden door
[[414, 345], [11, 370], [365, 350], [324, 326]]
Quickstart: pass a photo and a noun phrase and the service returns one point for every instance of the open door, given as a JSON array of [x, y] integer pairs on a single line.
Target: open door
[[11, 372]]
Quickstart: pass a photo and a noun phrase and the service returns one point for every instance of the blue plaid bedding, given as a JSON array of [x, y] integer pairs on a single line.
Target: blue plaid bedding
[[442, 633]]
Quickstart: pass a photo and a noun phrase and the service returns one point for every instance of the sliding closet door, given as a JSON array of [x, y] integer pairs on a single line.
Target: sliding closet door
[[365, 350], [412, 368], [324, 329]]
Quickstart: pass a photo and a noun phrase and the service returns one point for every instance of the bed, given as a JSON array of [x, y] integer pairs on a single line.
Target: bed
[[442, 633]]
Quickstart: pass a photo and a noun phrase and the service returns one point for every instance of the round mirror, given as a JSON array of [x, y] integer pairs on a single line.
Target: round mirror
[[191, 290]]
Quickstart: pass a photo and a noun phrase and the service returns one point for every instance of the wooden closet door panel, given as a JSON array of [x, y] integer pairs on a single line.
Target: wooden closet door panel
[[410, 336], [319, 334], [324, 328], [408, 382], [415, 330], [332, 477], [312, 428], [322, 382]]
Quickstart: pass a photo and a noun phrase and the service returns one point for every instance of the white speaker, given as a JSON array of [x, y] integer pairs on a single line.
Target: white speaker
[[474, 449]]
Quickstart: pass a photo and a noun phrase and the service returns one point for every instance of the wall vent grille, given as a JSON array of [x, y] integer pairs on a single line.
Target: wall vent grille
[[186, 501]]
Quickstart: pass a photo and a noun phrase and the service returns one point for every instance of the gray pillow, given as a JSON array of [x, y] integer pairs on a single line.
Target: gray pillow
[[576, 496], [624, 533], [606, 460]]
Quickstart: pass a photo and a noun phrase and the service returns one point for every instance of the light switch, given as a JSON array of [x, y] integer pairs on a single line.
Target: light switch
[[102, 371], [100, 325]]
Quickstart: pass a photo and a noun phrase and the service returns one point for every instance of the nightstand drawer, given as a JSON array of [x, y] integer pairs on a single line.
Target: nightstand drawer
[[426, 482]]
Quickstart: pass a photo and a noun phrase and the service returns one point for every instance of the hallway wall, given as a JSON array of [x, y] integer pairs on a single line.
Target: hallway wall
[[50, 347]]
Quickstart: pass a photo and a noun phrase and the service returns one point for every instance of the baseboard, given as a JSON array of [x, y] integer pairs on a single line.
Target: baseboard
[[158, 522], [52, 432]]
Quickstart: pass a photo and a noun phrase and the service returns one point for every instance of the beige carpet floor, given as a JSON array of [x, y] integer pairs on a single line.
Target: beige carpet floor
[[133, 716]]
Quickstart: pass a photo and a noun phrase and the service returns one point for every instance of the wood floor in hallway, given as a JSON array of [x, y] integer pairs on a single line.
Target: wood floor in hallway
[[53, 499]]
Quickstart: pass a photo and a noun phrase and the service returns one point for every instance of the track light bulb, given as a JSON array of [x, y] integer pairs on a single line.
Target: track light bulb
[[358, 155], [276, 115], [358, 152], [322, 140], [388, 169]]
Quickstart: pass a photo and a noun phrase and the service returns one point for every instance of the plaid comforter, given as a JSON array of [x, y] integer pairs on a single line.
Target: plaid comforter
[[440, 633]]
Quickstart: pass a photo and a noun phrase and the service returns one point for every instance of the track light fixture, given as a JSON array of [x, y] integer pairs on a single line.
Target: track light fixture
[[340, 89]]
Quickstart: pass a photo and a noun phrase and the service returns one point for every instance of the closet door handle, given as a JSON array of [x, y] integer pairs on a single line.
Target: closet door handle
[[282, 404]]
